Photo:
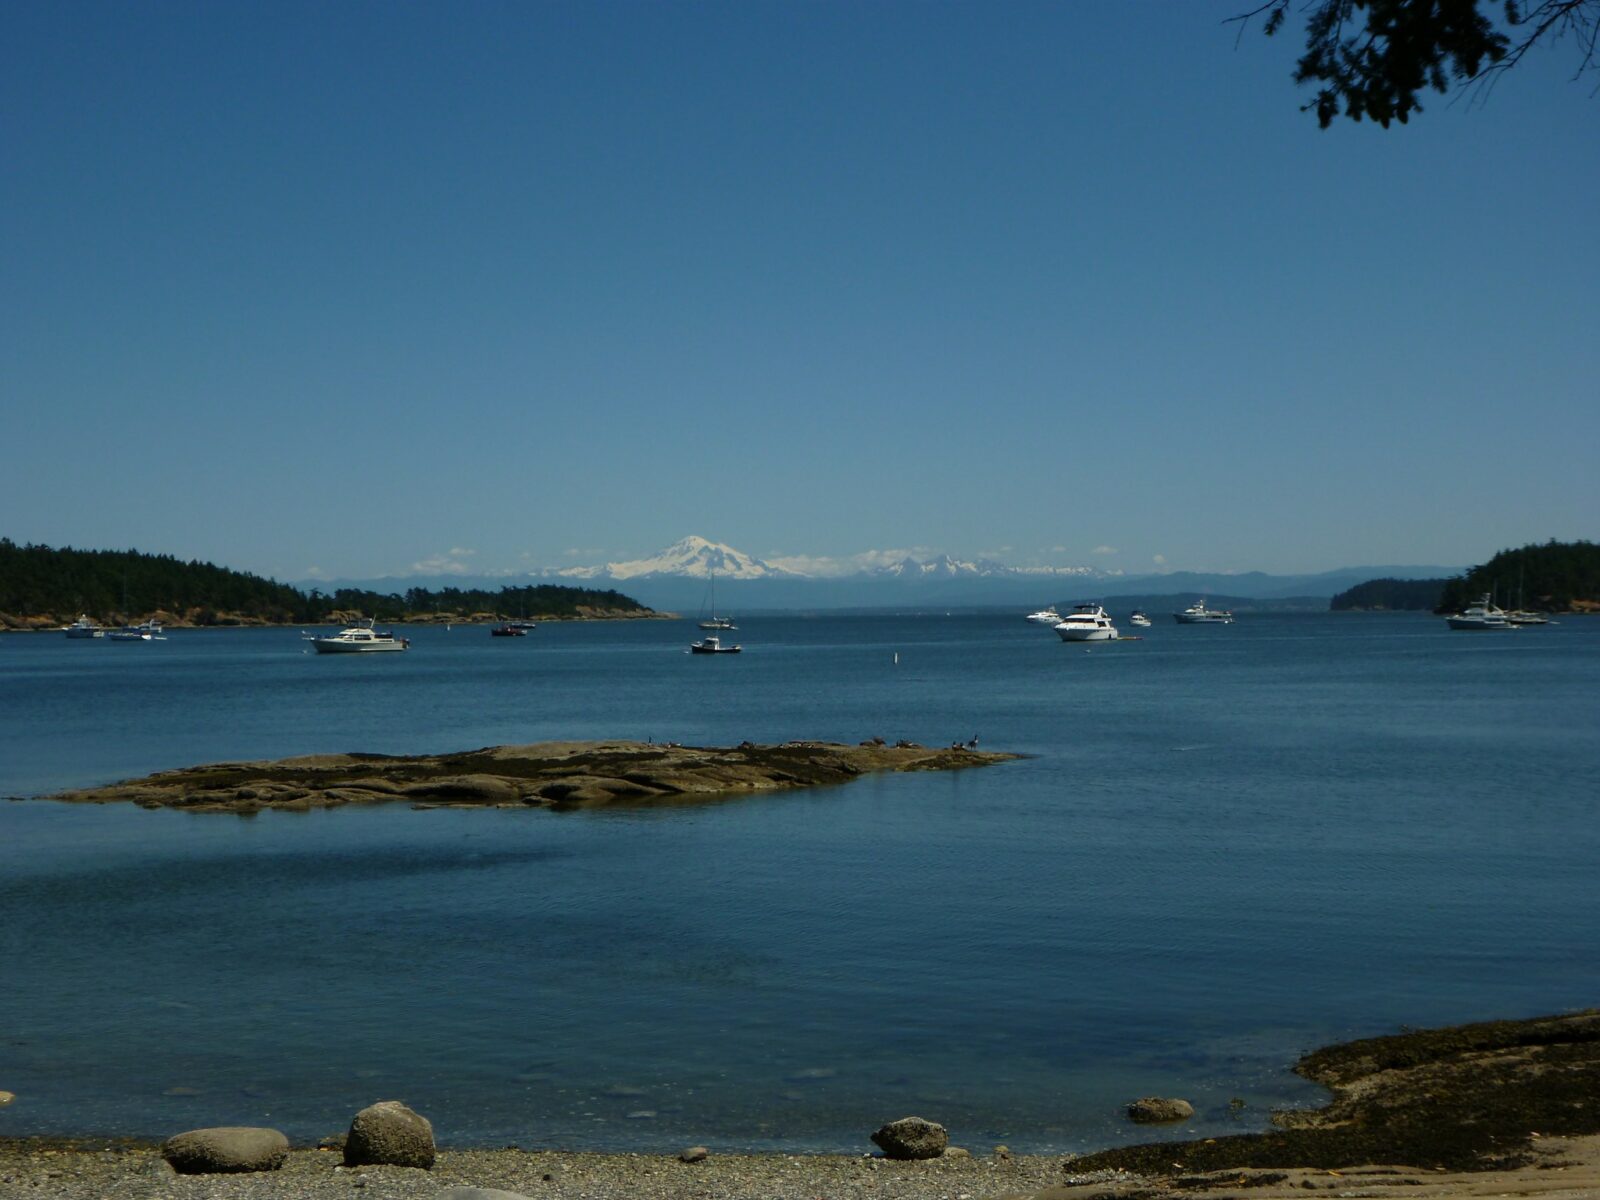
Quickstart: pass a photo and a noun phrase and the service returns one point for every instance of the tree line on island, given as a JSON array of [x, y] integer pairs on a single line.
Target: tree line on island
[[1550, 576], [42, 586]]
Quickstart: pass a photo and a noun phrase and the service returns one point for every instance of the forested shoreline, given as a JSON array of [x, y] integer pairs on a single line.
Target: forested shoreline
[[1547, 576], [42, 587]]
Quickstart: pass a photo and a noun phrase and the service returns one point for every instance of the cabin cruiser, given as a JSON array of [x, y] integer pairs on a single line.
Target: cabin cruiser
[[718, 623], [511, 630], [1480, 615], [359, 639], [1046, 616], [1198, 614], [1137, 617], [83, 628], [712, 644], [1086, 623]]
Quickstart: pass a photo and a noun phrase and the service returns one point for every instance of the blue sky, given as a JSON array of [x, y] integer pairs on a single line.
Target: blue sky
[[350, 287]]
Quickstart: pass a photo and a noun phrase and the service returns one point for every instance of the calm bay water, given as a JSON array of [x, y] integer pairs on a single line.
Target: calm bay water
[[1230, 845]]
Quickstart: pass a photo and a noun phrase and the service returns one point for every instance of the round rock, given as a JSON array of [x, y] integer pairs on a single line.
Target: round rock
[[1156, 1110], [912, 1137], [228, 1149], [389, 1132], [694, 1154]]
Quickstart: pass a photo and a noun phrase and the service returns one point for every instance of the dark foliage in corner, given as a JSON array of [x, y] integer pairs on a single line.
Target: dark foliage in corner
[[1372, 58]]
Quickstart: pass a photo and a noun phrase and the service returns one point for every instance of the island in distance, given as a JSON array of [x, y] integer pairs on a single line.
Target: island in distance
[[557, 775]]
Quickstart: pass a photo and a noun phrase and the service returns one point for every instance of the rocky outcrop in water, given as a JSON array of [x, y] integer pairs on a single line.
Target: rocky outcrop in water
[[560, 775], [1159, 1110]]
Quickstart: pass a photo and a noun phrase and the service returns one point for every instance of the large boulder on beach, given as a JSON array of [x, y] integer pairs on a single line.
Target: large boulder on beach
[[226, 1150], [1159, 1110], [388, 1132], [912, 1137]]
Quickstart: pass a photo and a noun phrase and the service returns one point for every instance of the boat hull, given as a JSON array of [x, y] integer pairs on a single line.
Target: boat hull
[[1482, 624], [334, 646], [1087, 634], [1190, 619]]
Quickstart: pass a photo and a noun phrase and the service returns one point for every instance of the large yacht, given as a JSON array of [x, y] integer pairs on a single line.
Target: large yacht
[[1480, 615], [1087, 623], [359, 639], [1198, 614]]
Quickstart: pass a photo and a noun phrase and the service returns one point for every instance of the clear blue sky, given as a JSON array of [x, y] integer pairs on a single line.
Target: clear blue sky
[[348, 286]]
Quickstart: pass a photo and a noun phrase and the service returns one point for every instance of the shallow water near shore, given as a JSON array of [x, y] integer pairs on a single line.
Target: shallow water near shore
[[1230, 845]]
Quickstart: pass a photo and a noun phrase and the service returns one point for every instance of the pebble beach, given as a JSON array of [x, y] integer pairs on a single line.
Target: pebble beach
[[1505, 1108]]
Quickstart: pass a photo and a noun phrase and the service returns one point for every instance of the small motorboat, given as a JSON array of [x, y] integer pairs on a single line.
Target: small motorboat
[[712, 644], [511, 630], [1045, 616], [144, 631], [1137, 617]]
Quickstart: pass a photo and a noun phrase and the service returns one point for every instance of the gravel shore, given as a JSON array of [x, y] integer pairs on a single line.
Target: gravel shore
[[1499, 1108], [1561, 1169]]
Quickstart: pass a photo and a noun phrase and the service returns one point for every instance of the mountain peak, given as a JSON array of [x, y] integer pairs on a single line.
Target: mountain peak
[[693, 556]]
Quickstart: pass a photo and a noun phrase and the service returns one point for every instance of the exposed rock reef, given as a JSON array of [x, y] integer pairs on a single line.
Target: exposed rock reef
[[560, 775]]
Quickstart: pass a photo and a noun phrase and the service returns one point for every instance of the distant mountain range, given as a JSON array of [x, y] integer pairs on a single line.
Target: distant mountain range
[[680, 577]]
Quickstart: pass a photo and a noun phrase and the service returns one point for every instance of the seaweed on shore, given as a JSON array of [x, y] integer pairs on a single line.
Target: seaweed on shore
[[1465, 1098]]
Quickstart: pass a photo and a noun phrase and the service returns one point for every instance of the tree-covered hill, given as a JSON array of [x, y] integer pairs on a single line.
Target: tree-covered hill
[[1545, 577], [1396, 595], [40, 585]]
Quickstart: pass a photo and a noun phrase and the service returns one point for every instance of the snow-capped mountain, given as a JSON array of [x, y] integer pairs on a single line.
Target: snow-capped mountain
[[691, 557], [945, 567]]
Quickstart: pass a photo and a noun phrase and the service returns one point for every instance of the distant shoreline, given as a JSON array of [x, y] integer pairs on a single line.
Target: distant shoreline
[[52, 625]]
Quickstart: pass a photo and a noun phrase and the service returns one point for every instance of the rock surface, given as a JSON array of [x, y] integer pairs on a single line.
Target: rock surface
[[912, 1138], [1159, 1110], [389, 1133], [226, 1150], [560, 775]]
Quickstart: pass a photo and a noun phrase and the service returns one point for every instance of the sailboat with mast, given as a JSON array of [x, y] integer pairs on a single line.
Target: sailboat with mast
[[713, 621]]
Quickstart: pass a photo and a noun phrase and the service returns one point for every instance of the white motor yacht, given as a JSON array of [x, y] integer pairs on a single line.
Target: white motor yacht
[[359, 639], [1482, 614], [1046, 616], [712, 644], [83, 627], [1086, 623], [1137, 617], [1198, 614]]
